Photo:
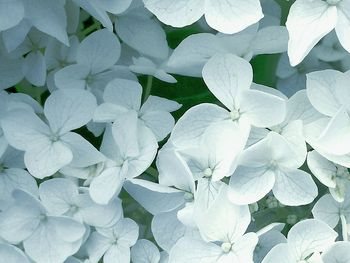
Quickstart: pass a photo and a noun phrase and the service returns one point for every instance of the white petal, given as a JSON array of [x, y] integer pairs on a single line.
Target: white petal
[[84, 153], [272, 39], [55, 240], [57, 195], [24, 129], [223, 221], [250, 184], [69, 109], [280, 253], [47, 158], [160, 122], [125, 231], [119, 253], [193, 124], [293, 133], [244, 247], [10, 71], [300, 108], [327, 210], [115, 7], [15, 178], [49, 17], [343, 25], [307, 23], [176, 14], [20, 220], [154, 103], [145, 251], [72, 77], [323, 169], [125, 133], [232, 16], [194, 250], [96, 246], [262, 109], [11, 254], [294, 187], [95, 10], [99, 51], [91, 211], [104, 187], [143, 34], [125, 93], [321, 90], [173, 169], [108, 112], [310, 236], [153, 197], [167, 229], [338, 252], [190, 56], [34, 68], [11, 13], [226, 75]]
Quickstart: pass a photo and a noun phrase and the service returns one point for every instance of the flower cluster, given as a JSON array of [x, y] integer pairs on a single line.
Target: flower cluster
[[101, 162]]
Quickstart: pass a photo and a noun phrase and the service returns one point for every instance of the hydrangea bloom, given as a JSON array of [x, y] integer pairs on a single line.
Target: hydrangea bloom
[[163, 131]]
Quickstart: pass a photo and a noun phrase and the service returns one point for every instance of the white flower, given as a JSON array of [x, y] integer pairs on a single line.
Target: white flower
[[227, 16], [137, 30], [229, 78], [13, 176], [126, 160], [222, 227], [269, 237], [113, 244], [96, 57], [45, 238], [309, 21], [268, 165], [123, 105], [47, 16], [57, 56], [298, 111], [304, 243], [190, 56], [328, 93], [49, 147], [334, 176], [332, 212], [62, 197]]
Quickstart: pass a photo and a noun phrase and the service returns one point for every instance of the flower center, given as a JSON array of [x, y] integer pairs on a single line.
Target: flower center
[[234, 115], [188, 197], [54, 137], [208, 172], [89, 79], [273, 165], [226, 247]]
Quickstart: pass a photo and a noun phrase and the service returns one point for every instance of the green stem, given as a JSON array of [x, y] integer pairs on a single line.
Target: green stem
[[344, 228], [148, 88], [88, 30]]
